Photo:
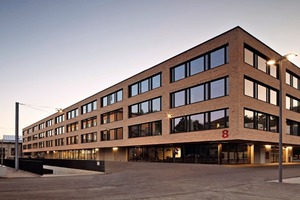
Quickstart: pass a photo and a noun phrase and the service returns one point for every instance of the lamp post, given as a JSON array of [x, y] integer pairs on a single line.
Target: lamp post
[[17, 130], [279, 62]]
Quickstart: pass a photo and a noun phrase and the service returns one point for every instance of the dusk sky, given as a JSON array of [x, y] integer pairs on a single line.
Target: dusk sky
[[54, 53]]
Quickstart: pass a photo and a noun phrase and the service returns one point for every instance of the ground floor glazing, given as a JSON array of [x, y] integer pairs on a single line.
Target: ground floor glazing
[[210, 153]]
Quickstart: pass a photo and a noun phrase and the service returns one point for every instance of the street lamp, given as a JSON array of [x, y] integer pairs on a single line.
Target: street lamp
[[279, 62]]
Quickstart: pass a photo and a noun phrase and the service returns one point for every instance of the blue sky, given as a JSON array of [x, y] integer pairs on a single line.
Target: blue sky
[[55, 53]]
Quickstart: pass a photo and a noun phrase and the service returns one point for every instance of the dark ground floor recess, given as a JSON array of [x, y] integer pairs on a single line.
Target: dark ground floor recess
[[210, 153]]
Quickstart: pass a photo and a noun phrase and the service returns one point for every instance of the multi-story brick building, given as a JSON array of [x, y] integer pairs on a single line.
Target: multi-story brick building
[[217, 102]]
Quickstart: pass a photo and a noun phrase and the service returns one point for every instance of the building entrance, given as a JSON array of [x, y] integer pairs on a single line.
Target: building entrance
[[234, 153]]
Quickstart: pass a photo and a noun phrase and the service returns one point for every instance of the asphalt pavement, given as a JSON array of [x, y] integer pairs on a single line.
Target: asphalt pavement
[[160, 181]]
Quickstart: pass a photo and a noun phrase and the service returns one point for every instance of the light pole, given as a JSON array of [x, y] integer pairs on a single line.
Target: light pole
[[17, 138], [279, 62]]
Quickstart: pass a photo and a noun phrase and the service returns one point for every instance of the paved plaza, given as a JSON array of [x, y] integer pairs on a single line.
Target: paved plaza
[[159, 181]]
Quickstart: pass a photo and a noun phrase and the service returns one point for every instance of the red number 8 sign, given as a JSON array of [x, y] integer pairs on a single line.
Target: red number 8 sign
[[225, 134]]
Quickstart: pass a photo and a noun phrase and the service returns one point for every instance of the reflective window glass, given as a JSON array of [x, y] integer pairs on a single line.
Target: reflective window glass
[[179, 98], [295, 82], [273, 71], [288, 103], [197, 65], [248, 57], [196, 122], [287, 78], [134, 110], [217, 89], [249, 119], [261, 121], [144, 86], [217, 58], [273, 97], [217, 119], [179, 72], [179, 125], [156, 128], [295, 105], [261, 92], [120, 95], [273, 124], [197, 94], [249, 88], [134, 90], [144, 109], [261, 64], [145, 129], [156, 81], [111, 99], [104, 101], [156, 105]]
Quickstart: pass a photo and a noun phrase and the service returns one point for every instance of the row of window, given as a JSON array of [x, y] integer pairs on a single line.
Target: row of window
[[259, 91], [112, 98], [261, 121], [259, 61], [112, 116], [207, 61], [203, 92], [145, 129], [89, 122], [112, 134], [200, 121], [89, 107], [72, 114], [145, 85], [149, 106]]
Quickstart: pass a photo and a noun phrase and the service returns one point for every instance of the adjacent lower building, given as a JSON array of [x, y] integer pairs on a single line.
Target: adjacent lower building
[[217, 102], [7, 150]]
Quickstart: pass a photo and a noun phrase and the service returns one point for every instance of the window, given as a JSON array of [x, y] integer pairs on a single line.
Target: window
[[59, 119], [42, 125], [260, 121], [217, 88], [72, 127], [204, 62], [49, 133], [259, 91], [200, 121], [72, 114], [146, 129], [293, 104], [112, 134], [145, 85], [89, 137], [112, 116], [258, 60], [248, 57], [217, 58], [72, 140], [262, 93], [89, 107], [49, 123], [149, 106], [292, 128], [59, 142], [60, 130], [292, 80], [206, 91], [112, 98], [197, 65], [89, 122]]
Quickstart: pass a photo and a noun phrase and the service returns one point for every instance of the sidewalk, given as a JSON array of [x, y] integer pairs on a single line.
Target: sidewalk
[[7, 172]]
